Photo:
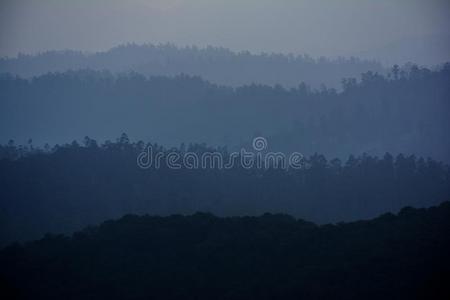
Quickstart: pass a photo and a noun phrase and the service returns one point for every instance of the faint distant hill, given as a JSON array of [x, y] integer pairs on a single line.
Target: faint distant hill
[[218, 65], [428, 50]]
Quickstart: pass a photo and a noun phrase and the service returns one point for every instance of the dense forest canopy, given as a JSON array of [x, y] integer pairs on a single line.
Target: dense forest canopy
[[403, 112], [67, 187], [201, 256], [217, 65]]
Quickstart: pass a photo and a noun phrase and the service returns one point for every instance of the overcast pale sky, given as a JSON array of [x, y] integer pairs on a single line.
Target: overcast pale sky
[[316, 27]]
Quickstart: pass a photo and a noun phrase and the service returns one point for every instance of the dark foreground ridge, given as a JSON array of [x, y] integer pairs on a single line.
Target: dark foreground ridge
[[201, 256]]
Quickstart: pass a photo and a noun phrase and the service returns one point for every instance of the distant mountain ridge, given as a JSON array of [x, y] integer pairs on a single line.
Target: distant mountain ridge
[[215, 64], [429, 50]]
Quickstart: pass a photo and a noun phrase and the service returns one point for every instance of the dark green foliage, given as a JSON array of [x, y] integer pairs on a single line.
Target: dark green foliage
[[402, 256]]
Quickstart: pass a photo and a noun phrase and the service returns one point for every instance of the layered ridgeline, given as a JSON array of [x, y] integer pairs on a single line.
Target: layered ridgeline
[[217, 65], [68, 187], [404, 112], [402, 256]]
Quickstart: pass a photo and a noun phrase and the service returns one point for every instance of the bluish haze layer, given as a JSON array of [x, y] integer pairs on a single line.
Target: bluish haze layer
[[391, 31]]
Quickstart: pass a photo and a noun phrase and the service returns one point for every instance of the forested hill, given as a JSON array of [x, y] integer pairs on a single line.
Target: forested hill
[[63, 189], [402, 256], [218, 65], [405, 112]]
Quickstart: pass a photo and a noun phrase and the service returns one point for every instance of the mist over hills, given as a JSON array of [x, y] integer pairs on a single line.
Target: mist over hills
[[139, 162], [429, 50], [217, 65], [403, 112]]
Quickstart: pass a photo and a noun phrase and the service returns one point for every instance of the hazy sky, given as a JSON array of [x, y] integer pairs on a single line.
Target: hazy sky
[[316, 27]]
